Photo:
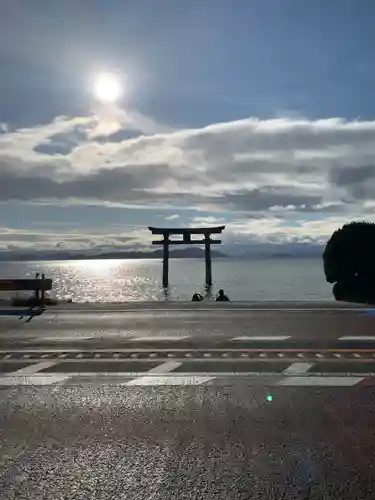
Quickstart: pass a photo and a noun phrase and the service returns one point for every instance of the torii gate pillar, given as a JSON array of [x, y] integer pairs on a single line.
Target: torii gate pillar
[[207, 256]]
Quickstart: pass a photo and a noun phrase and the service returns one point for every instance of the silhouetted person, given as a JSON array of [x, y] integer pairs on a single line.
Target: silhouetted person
[[222, 297], [197, 297]]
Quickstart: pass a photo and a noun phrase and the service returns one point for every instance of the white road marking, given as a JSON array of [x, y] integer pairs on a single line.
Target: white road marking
[[320, 381], [58, 338], [45, 379], [159, 339], [169, 380], [358, 337], [166, 367], [266, 338], [37, 367], [298, 368]]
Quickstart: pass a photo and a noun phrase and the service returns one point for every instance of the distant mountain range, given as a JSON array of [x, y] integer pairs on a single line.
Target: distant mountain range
[[185, 253], [248, 251], [275, 250]]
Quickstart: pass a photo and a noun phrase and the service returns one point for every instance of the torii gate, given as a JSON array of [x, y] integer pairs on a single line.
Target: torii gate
[[186, 240]]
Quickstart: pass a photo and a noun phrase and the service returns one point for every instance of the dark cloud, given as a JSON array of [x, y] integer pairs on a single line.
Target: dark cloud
[[358, 182], [62, 143], [346, 176], [116, 185], [267, 197]]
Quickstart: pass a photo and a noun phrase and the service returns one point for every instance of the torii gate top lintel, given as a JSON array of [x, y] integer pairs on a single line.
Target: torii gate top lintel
[[191, 230]]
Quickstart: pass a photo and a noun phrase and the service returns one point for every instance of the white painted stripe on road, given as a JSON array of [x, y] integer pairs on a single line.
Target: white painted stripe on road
[[320, 381], [266, 338], [353, 338], [60, 339], [36, 367], [169, 380], [159, 339], [46, 379], [298, 368], [166, 367]]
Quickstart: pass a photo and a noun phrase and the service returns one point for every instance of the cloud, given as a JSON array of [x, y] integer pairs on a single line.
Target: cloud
[[172, 217], [282, 168], [27, 240]]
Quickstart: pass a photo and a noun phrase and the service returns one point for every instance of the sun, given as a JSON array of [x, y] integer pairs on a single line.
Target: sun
[[108, 87]]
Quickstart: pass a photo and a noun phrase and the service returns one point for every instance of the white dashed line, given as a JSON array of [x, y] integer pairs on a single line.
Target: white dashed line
[[358, 337], [37, 367], [320, 381], [60, 339], [159, 339], [298, 368], [46, 379], [166, 367], [266, 338], [170, 380]]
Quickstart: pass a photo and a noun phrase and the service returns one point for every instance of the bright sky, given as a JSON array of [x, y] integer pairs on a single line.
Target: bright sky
[[117, 115]]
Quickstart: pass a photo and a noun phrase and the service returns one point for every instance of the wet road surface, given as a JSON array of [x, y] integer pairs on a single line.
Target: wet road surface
[[204, 442], [264, 404]]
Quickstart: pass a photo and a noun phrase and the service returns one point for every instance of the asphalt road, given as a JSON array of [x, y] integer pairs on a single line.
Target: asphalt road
[[174, 404], [195, 443]]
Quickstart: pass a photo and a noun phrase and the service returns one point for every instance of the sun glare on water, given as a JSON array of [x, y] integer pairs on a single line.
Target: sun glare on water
[[108, 87]]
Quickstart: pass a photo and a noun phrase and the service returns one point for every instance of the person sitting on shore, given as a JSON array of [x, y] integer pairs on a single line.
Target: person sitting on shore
[[222, 297], [197, 297]]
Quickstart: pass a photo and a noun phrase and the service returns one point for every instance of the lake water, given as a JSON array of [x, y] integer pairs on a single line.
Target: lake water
[[137, 280]]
